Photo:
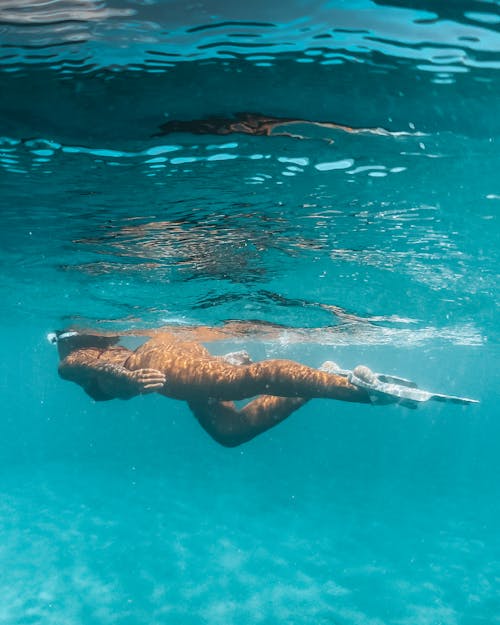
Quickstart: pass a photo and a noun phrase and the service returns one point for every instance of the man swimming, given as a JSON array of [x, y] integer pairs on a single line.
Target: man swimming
[[180, 368]]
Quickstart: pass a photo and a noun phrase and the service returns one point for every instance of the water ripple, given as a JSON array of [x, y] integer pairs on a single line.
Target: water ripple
[[314, 33]]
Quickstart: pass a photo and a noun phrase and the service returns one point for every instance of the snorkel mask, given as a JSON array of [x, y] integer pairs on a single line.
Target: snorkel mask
[[58, 335]]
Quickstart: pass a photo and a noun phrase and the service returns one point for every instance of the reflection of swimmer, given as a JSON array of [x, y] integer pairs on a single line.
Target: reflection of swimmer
[[259, 125], [228, 247], [183, 369]]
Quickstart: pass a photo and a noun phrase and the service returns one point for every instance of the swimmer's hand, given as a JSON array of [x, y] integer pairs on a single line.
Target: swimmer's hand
[[147, 380]]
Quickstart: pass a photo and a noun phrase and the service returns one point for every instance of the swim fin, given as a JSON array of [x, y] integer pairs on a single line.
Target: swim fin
[[385, 389]]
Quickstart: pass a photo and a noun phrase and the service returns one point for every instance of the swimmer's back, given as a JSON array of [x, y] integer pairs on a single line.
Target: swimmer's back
[[165, 351]]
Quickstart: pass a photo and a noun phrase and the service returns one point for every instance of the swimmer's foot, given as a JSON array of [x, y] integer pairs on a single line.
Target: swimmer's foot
[[332, 367], [238, 358], [363, 377], [365, 373], [329, 367]]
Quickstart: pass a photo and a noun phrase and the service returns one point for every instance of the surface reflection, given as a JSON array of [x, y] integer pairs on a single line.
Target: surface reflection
[[42, 12], [163, 34], [257, 124], [229, 247]]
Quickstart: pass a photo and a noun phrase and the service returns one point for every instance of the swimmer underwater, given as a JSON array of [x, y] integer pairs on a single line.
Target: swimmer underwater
[[174, 363]]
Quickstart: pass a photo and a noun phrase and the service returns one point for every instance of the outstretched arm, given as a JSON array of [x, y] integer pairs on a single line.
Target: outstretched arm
[[103, 379]]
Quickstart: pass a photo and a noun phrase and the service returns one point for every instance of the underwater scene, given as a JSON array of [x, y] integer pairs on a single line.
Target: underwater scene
[[307, 181]]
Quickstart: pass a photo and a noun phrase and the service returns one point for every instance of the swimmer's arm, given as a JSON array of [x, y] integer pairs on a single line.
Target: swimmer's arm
[[103, 381]]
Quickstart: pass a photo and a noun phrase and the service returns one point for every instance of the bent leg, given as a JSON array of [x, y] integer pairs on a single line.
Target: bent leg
[[232, 427]]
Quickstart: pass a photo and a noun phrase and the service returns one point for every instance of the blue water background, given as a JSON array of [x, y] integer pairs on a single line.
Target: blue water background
[[126, 512]]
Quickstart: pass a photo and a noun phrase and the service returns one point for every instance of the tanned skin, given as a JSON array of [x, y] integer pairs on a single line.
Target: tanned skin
[[184, 369]]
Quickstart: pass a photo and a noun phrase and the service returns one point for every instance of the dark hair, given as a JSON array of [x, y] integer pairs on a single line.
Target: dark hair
[[75, 340]]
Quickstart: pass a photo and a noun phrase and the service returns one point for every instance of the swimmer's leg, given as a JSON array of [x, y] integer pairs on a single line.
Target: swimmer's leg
[[189, 379], [282, 378], [232, 427]]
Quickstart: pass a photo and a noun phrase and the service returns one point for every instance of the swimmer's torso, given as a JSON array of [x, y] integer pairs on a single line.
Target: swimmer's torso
[[188, 366]]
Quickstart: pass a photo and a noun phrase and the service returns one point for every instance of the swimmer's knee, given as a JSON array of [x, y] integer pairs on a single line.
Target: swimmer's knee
[[227, 438], [223, 427], [229, 442]]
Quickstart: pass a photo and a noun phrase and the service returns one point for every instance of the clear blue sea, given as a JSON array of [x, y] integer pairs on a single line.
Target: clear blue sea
[[126, 512]]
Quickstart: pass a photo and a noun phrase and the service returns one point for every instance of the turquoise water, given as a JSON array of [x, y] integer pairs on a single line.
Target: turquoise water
[[126, 512]]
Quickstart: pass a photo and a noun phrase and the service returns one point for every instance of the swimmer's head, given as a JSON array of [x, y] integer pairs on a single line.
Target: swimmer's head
[[69, 340]]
